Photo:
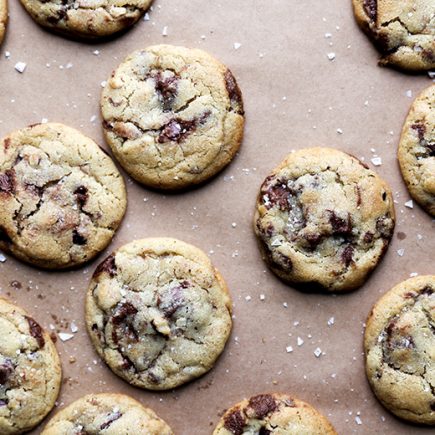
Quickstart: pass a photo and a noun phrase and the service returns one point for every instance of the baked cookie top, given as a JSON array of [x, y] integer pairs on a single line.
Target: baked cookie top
[[173, 116], [30, 372], [61, 196], [417, 150], [273, 414], [158, 313], [323, 218], [86, 18], [111, 414], [3, 18], [400, 349], [403, 31]]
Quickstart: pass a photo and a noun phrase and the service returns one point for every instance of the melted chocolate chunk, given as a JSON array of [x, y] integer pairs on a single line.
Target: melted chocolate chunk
[[6, 370], [347, 255], [36, 331], [427, 291], [340, 226], [313, 240], [368, 237], [82, 195], [167, 89], [277, 193], [175, 300], [235, 422], [177, 129], [7, 181], [78, 239], [371, 8], [122, 311], [234, 92], [111, 418], [107, 266], [120, 319], [264, 431], [262, 405]]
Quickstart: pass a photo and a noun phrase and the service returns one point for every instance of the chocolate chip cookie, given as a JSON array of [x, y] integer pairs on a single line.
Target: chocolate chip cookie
[[173, 116], [112, 414], [402, 30], [3, 18], [273, 414], [158, 313], [417, 150], [399, 344], [324, 219], [61, 196], [86, 18], [30, 372]]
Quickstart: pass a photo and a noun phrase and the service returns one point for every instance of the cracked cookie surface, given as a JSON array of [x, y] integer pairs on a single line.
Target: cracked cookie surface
[[399, 344], [173, 116], [110, 414], [86, 18], [323, 219], [403, 31], [277, 414], [158, 313], [3, 18], [417, 150], [30, 372], [61, 196]]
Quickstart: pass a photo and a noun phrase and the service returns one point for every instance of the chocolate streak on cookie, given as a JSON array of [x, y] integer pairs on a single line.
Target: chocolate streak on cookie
[[167, 89], [36, 331], [107, 266], [81, 194], [111, 418], [120, 318], [371, 8], [7, 182], [234, 92], [6, 370]]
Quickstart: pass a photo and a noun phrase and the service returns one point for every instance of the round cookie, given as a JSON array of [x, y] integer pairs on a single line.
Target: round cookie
[[158, 313], [61, 196], [417, 150], [173, 116], [86, 18], [273, 414], [323, 219], [111, 414], [30, 371], [402, 30], [399, 344], [3, 18]]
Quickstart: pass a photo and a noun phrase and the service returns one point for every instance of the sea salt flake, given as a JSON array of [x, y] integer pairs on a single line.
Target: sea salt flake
[[248, 298], [409, 204], [146, 17], [237, 45], [289, 349], [20, 67], [74, 327], [331, 56], [165, 31], [300, 341], [358, 420], [409, 93], [318, 352], [262, 297], [2, 258], [65, 336], [377, 161], [400, 252], [339, 131], [331, 321]]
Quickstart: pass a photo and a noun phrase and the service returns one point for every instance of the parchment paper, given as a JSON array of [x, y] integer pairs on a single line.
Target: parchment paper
[[294, 97]]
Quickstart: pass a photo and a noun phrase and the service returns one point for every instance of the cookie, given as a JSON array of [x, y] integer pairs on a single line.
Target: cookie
[[324, 219], [173, 116], [61, 196], [158, 313], [111, 414], [273, 414], [86, 19], [417, 150], [3, 18], [399, 344], [402, 30], [30, 371]]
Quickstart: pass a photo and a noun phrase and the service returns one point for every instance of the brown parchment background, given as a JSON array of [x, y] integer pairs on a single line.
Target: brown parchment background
[[321, 96]]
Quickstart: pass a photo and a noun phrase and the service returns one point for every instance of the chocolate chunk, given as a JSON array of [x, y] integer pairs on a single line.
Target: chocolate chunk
[[120, 318], [167, 89], [173, 300], [235, 422], [340, 226], [427, 291], [284, 262], [264, 431], [371, 8], [420, 128], [36, 331], [262, 405], [177, 129], [78, 239], [122, 311], [154, 378], [82, 195], [234, 92], [313, 240], [7, 181], [107, 266], [6, 370], [4, 236], [111, 418], [432, 405], [368, 237], [276, 193], [347, 255]]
